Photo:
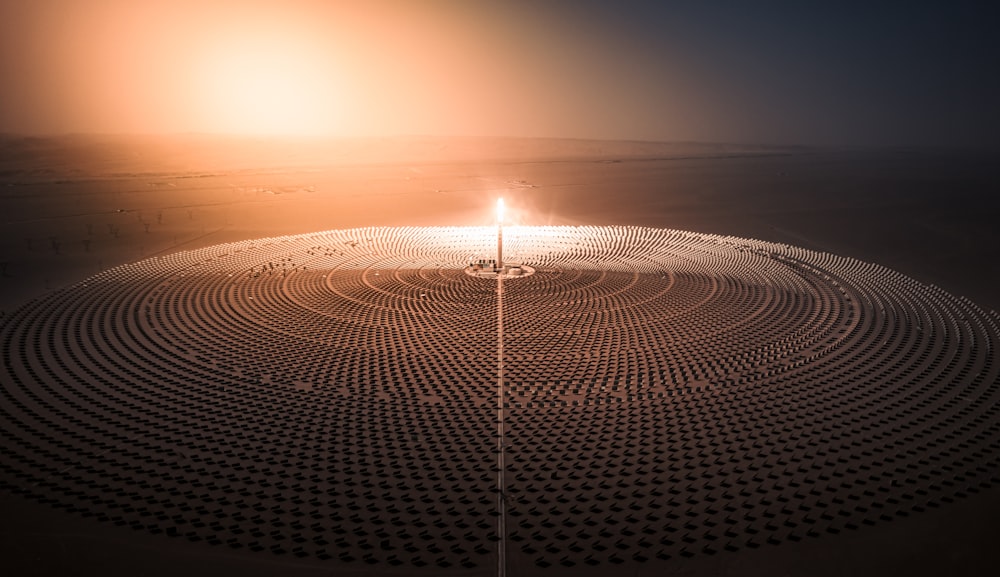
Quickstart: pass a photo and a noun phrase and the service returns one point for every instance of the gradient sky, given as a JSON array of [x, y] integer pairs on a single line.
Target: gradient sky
[[910, 73]]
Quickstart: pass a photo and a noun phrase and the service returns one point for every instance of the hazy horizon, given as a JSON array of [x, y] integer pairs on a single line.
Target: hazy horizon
[[987, 147]]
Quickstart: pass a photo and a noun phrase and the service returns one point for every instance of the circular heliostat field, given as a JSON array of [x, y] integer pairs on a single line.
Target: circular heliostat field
[[334, 396]]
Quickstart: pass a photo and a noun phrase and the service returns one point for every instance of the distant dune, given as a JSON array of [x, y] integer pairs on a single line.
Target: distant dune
[[110, 155]]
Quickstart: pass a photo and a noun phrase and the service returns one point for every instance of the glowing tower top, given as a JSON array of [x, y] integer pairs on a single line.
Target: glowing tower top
[[500, 211]]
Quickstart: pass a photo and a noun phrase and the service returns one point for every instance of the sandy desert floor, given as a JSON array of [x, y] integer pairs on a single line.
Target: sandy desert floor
[[75, 206]]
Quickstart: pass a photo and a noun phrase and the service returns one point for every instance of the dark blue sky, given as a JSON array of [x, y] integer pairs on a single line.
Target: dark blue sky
[[854, 73], [830, 72]]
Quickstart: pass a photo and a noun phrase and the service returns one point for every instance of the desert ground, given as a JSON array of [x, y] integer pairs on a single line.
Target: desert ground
[[74, 206]]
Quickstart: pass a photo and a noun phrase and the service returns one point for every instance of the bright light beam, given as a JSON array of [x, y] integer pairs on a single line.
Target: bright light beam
[[500, 210]]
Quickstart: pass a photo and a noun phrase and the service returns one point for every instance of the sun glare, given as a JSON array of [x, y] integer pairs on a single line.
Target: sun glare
[[269, 86]]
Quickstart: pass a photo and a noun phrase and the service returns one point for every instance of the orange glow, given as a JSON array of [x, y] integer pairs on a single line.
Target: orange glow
[[269, 84], [338, 68], [500, 210]]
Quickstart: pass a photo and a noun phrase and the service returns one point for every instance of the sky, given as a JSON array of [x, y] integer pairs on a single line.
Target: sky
[[770, 72]]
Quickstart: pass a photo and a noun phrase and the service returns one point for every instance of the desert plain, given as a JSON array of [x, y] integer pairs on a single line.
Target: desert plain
[[76, 205]]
